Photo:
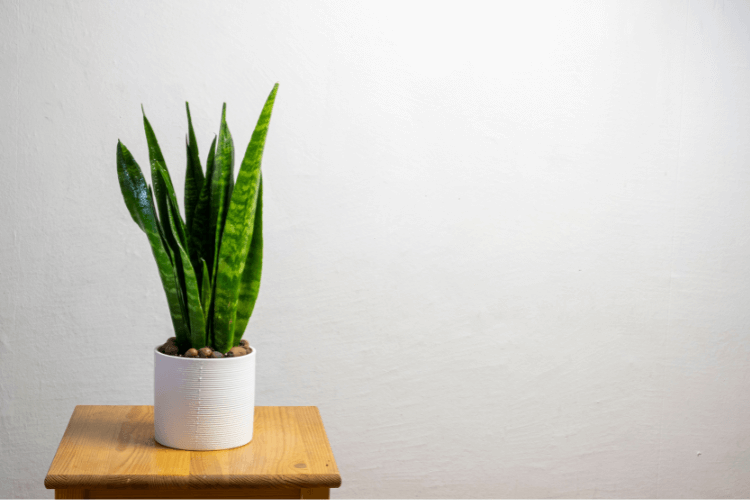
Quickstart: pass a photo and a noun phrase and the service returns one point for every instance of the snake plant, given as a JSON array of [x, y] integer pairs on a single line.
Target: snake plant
[[210, 262]]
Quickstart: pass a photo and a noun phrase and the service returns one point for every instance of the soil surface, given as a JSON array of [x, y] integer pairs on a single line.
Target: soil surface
[[170, 348]]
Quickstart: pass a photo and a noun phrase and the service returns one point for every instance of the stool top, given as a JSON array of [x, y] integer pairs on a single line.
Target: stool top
[[114, 447]]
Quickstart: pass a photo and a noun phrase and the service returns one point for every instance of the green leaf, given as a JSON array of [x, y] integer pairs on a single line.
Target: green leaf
[[180, 284], [202, 244], [163, 189], [191, 291], [204, 249], [181, 231], [161, 232], [238, 233], [220, 185], [205, 288], [140, 203], [174, 237], [134, 189], [193, 176], [250, 281], [210, 160], [222, 176]]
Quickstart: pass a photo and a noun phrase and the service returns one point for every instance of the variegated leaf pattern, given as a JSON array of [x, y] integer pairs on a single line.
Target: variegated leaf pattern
[[162, 189], [223, 174], [205, 288], [191, 290], [203, 239], [193, 177], [220, 184], [140, 203], [250, 281], [210, 264], [238, 233]]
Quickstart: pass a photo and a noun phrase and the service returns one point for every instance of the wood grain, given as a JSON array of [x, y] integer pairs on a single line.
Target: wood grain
[[113, 447]]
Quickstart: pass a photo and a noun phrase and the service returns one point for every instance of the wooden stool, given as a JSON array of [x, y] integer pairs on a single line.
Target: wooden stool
[[110, 452]]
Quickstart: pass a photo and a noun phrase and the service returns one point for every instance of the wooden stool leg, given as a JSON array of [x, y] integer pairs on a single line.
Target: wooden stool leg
[[315, 493]]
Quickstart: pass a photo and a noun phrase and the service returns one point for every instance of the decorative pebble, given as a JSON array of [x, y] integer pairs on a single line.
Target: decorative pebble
[[171, 348], [237, 351]]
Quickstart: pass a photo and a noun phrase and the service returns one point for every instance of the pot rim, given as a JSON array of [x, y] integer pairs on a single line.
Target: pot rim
[[190, 360]]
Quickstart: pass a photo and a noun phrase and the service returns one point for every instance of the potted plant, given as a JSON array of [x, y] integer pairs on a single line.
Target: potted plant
[[210, 267]]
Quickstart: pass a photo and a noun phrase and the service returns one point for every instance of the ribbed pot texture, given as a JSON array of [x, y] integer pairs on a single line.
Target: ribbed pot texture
[[204, 403]]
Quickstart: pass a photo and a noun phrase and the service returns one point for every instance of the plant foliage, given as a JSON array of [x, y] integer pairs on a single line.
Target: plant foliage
[[209, 262]]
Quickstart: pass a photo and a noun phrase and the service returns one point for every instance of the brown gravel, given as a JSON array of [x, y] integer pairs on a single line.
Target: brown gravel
[[238, 351], [170, 348]]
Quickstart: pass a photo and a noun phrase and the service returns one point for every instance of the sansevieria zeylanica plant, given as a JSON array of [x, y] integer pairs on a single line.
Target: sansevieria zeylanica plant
[[210, 262]]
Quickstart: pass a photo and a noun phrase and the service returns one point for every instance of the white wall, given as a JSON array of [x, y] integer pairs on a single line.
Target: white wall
[[507, 244]]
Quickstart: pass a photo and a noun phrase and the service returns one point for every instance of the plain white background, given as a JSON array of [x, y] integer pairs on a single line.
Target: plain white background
[[507, 243]]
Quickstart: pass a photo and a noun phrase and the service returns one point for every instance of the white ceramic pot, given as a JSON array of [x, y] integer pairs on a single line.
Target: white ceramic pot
[[204, 403]]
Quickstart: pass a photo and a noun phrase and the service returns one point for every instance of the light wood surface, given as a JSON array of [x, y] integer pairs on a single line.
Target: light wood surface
[[110, 448]]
